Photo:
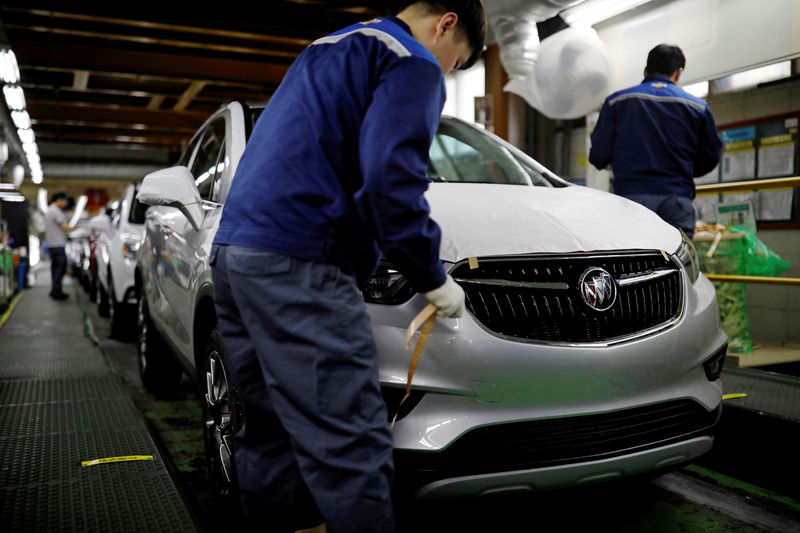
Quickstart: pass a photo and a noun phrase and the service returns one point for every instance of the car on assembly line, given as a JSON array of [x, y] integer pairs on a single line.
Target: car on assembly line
[[81, 251], [590, 348], [116, 260]]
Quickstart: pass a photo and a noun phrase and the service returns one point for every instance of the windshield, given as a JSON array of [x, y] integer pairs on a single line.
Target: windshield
[[463, 154]]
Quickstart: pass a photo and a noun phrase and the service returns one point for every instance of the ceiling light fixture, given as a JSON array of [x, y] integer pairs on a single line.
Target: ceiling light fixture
[[9, 69], [30, 148], [15, 98], [21, 119], [79, 207], [591, 12], [26, 136], [41, 199], [12, 197]]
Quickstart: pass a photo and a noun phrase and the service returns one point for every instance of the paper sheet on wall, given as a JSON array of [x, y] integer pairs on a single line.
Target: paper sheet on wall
[[739, 165], [740, 198], [711, 177], [706, 206], [737, 214], [776, 160], [775, 205]]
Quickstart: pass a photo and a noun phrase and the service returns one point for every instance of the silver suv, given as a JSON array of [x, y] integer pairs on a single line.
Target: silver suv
[[116, 258], [591, 348]]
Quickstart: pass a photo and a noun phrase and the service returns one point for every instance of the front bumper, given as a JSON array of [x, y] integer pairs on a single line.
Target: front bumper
[[570, 475], [468, 378]]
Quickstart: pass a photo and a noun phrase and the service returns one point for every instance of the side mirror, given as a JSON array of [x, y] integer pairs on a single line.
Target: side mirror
[[100, 224], [173, 187]]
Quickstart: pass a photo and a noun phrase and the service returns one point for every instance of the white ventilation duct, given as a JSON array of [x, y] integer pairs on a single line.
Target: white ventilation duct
[[564, 76]]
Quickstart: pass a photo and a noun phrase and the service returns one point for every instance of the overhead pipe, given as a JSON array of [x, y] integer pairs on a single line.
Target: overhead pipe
[[565, 75], [513, 27]]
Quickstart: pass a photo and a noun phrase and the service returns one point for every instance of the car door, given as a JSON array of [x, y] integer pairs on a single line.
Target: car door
[[157, 261], [183, 243]]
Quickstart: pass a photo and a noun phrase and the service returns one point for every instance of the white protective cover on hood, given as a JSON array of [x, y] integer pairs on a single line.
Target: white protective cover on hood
[[480, 219]]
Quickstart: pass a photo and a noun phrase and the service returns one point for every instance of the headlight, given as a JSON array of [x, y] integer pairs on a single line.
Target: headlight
[[688, 258], [129, 249], [387, 286]]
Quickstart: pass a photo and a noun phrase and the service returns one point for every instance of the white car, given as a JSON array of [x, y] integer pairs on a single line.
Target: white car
[[116, 260], [590, 350]]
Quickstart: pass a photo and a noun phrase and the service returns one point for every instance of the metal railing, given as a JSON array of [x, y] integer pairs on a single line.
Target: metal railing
[[775, 183]]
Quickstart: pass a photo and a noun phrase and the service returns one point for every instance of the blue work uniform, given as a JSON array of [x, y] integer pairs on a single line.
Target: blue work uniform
[[657, 138], [333, 174]]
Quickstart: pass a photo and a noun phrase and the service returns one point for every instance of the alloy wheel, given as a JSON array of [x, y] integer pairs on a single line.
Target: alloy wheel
[[219, 423], [141, 320]]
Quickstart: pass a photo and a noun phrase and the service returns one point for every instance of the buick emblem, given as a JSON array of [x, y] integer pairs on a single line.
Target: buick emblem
[[598, 289]]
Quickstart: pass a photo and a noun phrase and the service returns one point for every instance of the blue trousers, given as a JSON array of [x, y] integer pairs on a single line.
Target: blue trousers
[[58, 267], [299, 344], [675, 210]]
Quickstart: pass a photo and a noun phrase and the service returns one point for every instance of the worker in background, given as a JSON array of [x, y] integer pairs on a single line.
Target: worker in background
[[333, 175], [657, 139], [56, 228]]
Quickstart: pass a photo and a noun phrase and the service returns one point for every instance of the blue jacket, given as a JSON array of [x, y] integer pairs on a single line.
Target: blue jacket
[[656, 137], [335, 169]]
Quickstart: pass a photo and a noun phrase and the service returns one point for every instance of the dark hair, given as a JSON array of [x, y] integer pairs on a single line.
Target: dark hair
[[471, 21], [58, 196], [665, 59]]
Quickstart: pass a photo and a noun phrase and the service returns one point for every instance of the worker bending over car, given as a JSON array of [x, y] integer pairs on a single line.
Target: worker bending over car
[[333, 177]]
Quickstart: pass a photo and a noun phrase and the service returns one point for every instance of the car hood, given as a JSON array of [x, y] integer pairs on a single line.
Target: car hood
[[480, 219]]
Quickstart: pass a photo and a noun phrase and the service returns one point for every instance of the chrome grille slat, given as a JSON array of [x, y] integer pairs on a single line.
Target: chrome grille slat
[[525, 298]]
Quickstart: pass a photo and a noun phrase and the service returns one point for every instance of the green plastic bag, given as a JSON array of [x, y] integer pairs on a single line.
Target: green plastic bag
[[759, 260], [744, 256]]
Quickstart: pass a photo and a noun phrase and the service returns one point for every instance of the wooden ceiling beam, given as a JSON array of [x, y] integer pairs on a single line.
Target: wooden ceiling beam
[[139, 129], [166, 140], [81, 80], [157, 41], [230, 34], [188, 95], [83, 57], [155, 101], [49, 110], [138, 77]]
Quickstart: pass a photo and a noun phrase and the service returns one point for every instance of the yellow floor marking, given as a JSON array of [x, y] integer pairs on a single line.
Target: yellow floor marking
[[731, 396], [117, 459], [11, 307]]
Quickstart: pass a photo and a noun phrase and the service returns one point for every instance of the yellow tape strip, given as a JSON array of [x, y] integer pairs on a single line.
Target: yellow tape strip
[[420, 319], [426, 318], [120, 459], [735, 395], [11, 307], [473, 263]]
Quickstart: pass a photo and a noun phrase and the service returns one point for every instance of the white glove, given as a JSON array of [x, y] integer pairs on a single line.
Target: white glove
[[449, 299]]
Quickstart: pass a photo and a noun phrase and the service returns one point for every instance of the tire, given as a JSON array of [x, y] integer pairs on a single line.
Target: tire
[[158, 369], [223, 414], [102, 301], [120, 315]]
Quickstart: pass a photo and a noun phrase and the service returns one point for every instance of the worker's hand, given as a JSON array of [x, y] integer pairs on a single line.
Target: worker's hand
[[448, 299]]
